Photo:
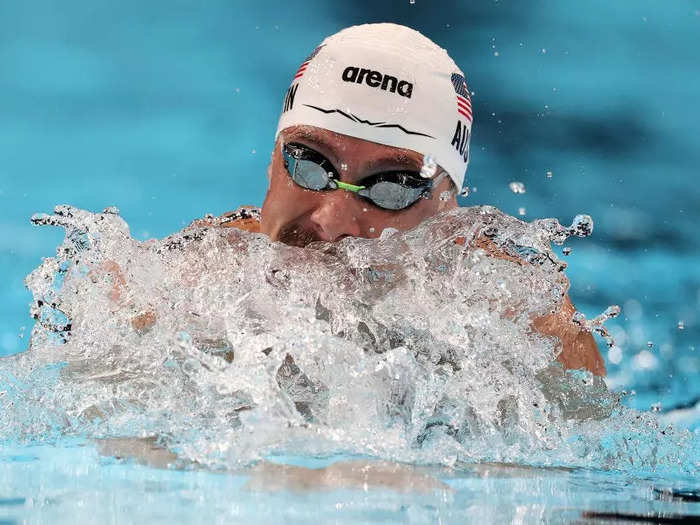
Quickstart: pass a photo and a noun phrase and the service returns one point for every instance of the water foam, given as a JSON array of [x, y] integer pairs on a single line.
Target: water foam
[[228, 347]]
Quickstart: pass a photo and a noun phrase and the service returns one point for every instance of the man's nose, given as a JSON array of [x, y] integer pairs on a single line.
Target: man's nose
[[336, 215]]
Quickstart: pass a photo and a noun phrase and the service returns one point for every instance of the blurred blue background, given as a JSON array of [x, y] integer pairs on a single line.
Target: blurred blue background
[[167, 109]]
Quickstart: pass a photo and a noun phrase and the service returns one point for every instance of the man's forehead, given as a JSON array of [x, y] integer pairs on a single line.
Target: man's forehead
[[341, 146]]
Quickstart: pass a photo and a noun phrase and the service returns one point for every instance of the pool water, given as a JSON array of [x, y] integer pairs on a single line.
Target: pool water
[[71, 483]]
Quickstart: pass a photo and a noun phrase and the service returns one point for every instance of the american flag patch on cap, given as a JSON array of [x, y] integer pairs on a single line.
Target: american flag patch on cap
[[464, 103], [302, 67]]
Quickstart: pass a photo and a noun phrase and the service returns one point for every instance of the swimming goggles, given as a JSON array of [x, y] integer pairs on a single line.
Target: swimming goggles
[[391, 190]]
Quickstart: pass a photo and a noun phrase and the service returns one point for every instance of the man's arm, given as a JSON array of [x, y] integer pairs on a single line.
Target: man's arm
[[579, 349]]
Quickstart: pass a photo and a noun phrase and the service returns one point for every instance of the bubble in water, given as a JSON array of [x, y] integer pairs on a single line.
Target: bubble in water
[[517, 187], [521, 211], [656, 407], [566, 251], [650, 344], [549, 174], [464, 192], [344, 167], [429, 167], [681, 325]]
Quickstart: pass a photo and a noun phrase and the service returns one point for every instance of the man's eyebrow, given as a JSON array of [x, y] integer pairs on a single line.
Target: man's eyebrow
[[315, 140], [391, 160], [395, 160]]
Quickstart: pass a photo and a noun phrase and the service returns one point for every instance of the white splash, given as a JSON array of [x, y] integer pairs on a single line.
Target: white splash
[[227, 347]]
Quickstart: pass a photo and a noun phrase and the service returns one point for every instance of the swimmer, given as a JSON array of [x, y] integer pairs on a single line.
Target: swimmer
[[374, 134]]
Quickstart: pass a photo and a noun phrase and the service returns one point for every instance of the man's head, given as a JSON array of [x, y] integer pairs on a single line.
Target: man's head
[[377, 102]]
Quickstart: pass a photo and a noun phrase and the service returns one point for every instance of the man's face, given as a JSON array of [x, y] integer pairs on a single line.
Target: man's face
[[297, 216]]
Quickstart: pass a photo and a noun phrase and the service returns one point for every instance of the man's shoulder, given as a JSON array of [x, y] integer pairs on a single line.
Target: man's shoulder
[[244, 218]]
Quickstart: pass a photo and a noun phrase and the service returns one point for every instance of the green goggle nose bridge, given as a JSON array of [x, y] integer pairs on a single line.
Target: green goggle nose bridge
[[395, 190], [348, 187]]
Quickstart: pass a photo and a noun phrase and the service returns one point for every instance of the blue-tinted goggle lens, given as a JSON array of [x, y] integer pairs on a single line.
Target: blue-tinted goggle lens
[[310, 170]]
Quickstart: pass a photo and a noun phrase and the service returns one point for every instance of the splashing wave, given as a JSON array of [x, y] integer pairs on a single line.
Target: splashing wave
[[227, 347]]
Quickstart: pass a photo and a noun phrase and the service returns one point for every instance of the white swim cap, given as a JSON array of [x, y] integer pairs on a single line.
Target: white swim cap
[[389, 84]]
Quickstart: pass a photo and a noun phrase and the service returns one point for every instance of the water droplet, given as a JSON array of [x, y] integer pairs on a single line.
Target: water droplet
[[582, 226], [429, 167], [252, 151], [517, 187], [445, 196], [474, 190], [371, 230], [656, 407], [650, 344], [615, 354], [387, 232], [566, 251], [411, 2], [611, 312], [111, 210], [544, 51], [681, 325], [549, 174], [364, 210], [464, 192], [521, 211], [495, 53]]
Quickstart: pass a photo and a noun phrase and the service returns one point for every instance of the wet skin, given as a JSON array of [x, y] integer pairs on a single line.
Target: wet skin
[[297, 216]]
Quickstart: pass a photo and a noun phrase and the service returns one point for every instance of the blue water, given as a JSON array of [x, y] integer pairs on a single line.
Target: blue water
[[168, 110], [73, 484]]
